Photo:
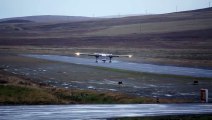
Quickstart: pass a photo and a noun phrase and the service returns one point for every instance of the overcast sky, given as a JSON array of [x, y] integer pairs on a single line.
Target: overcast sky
[[16, 8]]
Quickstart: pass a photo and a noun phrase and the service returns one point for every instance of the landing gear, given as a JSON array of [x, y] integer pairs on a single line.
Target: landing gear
[[110, 59], [97, 59]]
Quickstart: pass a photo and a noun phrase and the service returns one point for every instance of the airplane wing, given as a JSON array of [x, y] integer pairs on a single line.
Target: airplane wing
[[106, 55], [89, 54], [120, 56]]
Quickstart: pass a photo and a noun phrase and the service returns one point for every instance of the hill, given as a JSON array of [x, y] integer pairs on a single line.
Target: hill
[[170, 30], [16, 21], [50, 18]]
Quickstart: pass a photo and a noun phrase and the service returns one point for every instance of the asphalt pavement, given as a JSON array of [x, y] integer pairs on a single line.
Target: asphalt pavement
[[87, 112], [138, 67]]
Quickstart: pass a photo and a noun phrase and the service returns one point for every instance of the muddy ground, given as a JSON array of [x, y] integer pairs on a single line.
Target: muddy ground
[[70, 76]]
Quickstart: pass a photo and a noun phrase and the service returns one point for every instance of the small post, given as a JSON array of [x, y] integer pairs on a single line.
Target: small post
[[204, 95]]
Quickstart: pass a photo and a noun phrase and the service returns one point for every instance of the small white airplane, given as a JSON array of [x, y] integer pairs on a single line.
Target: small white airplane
[[104, 56]]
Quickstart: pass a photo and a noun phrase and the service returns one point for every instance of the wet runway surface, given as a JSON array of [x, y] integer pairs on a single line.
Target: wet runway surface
[[138, 67], [96, 112]]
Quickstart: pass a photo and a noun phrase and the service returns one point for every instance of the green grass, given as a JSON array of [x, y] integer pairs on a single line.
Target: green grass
[[92, 97], [87, 98], [10, 94]]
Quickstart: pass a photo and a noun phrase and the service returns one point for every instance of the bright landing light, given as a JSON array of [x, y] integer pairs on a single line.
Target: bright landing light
[[77, 53], [130, 56]]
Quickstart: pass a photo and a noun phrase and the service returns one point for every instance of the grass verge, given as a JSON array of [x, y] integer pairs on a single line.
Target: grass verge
[[15, 90], [139, 74]]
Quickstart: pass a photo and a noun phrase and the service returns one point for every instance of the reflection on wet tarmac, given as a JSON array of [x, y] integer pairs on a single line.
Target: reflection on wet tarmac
[[98, 112]]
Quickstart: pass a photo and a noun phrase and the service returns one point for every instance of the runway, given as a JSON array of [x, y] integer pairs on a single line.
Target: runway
[[85, 112], [137, 67]]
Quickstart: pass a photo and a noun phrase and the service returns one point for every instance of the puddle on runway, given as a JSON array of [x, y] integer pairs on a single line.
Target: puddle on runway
[[168, 95], [65, 84], [112, 89], [91, 87]]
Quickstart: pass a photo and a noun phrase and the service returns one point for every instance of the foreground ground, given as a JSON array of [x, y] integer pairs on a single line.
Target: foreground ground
[[165, 88], [17, 89]]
